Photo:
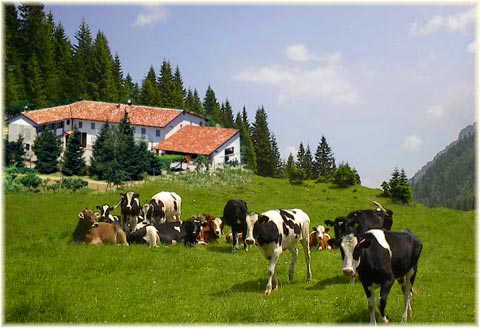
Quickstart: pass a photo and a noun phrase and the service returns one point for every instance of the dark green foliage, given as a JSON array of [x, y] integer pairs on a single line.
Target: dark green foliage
[[118, 82], [277, 164], [73, 161], [324, 160], [150, 93], [289, 166], [14, 153], [178, 91], [74, 184], [164, 161], [211, 106], [11, 181], [31, 181], [247, 151], [345, 176], [166, 85], [450, 181], [101, 81], [83, 52], [227, 115], [47, 148], [201, 162], [398, 188], [261, 137], [296, 176]]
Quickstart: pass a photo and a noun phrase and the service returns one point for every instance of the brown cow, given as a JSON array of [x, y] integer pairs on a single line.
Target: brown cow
[[91, 232]]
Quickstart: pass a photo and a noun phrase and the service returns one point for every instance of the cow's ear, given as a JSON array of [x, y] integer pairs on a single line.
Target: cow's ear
[[327, 229], [329, 223], [99, 208], [122, 194], [97, 215], [80, 215], [111, 208], [136, 195], [334, 242]]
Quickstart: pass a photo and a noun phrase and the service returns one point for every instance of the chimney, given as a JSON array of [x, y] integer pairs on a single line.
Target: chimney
[[129, 102]]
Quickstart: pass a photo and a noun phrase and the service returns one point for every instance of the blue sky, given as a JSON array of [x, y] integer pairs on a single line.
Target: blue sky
[[388, 85]]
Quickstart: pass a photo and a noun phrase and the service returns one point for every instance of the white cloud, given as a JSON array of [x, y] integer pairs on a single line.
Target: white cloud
[[290, 150], [437, 111], [412, 144], [150, 15], [454, 23], [328, 81], [472, 47]]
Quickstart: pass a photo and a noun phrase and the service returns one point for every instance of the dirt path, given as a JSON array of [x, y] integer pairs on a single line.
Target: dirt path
[[99, 186]]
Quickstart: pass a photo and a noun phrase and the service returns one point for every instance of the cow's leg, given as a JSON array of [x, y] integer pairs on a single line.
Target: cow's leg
[[308, 258], [371, 303], [234, 240], [271, 271], [384, 291], [123, 220], [407, 286], [291, 269]]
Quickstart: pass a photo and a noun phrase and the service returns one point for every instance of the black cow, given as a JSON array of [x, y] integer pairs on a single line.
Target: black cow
[[130, 210], [380, 257], [234, 215], [189, 231], [144, 234]]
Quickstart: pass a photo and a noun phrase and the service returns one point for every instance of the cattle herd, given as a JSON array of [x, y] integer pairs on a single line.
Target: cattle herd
[[367, 245]]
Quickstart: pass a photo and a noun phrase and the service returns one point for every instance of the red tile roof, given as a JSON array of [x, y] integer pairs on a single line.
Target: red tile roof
[[102, 112], [199, 140]]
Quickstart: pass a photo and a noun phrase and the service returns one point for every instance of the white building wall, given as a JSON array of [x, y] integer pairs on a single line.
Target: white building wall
[[22, 126], [218, 156], [182, 120]]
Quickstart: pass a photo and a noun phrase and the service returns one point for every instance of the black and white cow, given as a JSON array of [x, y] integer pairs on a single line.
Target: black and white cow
[[380, 257], [106, 216], [234, 215], [169, 232], [144, 234], [189, 231], [130, 210], [164, 207], [278, 230]]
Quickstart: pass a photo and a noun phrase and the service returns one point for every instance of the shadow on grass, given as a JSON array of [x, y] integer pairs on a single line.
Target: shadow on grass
[[219, 248], [252, 286], [322, 284], [358, 317]]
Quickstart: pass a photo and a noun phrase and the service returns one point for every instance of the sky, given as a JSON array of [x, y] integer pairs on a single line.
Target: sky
[[389, 86]]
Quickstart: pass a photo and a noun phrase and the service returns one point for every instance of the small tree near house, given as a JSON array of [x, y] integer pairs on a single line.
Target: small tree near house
[[47, 148]]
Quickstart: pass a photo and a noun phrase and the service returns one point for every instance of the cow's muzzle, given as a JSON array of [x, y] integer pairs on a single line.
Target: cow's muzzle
[[250, 241], [348, 272]]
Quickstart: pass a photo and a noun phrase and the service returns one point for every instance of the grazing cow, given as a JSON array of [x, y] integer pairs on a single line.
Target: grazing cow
[[275, 231], [229, 237], [319, 238], [90, 231], [189, 231], [106, 216], [130, 210], [234, 215], [164, 207], [144, 234], [380, 257]]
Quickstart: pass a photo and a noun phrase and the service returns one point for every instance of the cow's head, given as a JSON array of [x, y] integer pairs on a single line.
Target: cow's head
[[342, 226], [88, 218], [319, 232], [156, 210], [251, 220], [129, 201], [218, 226], [104, 212]]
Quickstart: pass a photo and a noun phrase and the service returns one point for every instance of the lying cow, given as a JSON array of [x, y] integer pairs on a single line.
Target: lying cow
[[91, 232], [189, 231], [106, 216], [319, 238], [144, 234], [169, 232], [229, 237], [164, 207], [380, 257], [234, 215], [275, 231], [130, 210]]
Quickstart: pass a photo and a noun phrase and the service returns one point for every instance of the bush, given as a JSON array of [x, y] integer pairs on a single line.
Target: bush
[[164, 161], [11, 182], [74, 183], [296, 176], [345, 176], [31, 181]]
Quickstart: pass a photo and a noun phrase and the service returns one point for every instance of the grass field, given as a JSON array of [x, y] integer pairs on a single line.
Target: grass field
[[49, 280]]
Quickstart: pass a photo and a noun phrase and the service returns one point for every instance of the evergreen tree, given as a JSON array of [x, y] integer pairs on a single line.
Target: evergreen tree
[[35, 84], [47, 63], [277, 164], [64, 69], [73, 162], [150, 94], [211, 106], [247, 150], [197, 104], [118, 81], [289, 166], [346, 176], [103, 153], [102, 83], [82, 58], [14, 153], [47, 148], [262, 145], [166, 85], [178, 94], [324, 160], [127, 91], [307, 164], [300, 156], [227, 115], [188, 102], [399, 187]]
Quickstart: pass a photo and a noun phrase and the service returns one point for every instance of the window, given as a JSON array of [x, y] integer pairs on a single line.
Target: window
[[50, 126], [68, 122], [157, 133], [27, 146], [80, 124], [229, 151], [83, 139], [133, 129], [201, 123], [144, 131], [59, 125], [92, 126]]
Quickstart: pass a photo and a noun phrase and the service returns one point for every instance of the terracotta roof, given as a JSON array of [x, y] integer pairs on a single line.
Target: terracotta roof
[[102, 112], [199, 140]]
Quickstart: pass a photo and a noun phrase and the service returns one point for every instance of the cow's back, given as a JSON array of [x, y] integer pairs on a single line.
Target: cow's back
[[234, 210], [107, 233]]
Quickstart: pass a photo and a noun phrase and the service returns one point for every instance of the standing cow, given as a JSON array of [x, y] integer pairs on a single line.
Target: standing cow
[[164, 207], [234, 215], [130, 210], [278, 230], [380, 257]]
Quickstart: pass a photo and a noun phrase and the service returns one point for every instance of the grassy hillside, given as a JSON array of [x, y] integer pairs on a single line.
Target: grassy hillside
[[47, 279]]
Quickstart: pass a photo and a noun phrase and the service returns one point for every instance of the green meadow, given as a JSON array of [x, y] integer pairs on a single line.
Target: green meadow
[[47, 279]]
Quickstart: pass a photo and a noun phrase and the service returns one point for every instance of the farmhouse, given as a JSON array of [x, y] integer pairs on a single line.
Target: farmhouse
[[165, 130]]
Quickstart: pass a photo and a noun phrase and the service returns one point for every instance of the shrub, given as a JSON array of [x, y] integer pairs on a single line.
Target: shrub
[[31, 181], [164, 161], [296, 176], [11, 182], [74, 183], [345, 176]]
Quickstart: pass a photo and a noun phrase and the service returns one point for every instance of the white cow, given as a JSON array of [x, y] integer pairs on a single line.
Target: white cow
[[275, 231], [164, 207]]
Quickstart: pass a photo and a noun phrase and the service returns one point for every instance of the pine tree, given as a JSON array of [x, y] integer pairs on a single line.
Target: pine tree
[[277, 164], [47, 148], [118, 81], [103, 152], [73, 161], [197, 104], [14, 153], [227, 115], [300, 156], [82, 58], [63, 54], [150, 94], [307, 164], [47, 63], [262, 145], [102, 84], [178, 94], [127, 91], [289, 166], [324, 161], [166, 85], [346, 176], [188, 102], [247, 149], [35, 84], [399, 187], [211, 106]]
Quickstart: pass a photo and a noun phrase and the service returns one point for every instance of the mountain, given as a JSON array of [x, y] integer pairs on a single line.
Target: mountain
[[449, 179]]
